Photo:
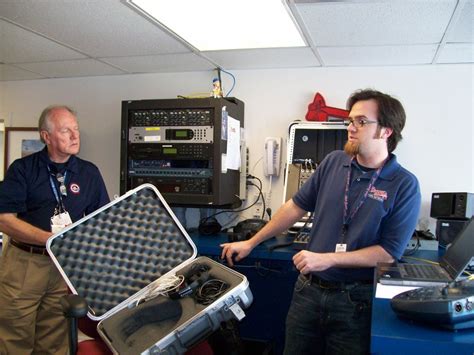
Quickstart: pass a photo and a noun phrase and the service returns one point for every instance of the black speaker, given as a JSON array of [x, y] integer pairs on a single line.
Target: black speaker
[[459, 205], [448, 229]]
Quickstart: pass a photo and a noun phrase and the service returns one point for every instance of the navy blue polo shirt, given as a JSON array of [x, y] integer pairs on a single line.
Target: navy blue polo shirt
[[387, 218], [27, 190]]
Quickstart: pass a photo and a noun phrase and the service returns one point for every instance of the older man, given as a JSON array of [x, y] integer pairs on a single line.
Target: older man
[[41, 194]]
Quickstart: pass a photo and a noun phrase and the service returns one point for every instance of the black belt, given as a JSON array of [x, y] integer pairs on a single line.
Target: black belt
[[340, 285], [29, 248]]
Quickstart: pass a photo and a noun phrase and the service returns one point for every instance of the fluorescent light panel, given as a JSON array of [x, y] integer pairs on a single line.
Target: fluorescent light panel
[[226, 24]]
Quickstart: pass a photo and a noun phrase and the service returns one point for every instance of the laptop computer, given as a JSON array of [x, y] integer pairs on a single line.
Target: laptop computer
[[452, 264]]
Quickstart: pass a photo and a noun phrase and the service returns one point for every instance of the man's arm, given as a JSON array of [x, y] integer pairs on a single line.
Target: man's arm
[[306, 261], [285, 217], [21, 231]]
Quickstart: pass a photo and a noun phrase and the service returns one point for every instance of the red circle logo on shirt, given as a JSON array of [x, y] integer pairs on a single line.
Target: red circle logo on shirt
[[74, 188]]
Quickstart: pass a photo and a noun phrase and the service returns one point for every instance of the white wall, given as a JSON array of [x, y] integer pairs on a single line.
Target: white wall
[[438, 137]]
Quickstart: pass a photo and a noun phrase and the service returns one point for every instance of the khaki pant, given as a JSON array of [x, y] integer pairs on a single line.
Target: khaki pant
[[31, 319]]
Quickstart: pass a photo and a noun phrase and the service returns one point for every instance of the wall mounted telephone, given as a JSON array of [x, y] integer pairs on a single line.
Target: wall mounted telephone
[[272, 156]]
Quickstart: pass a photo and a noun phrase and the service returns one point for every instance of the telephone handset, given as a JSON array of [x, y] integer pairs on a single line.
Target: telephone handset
[[272, 156]]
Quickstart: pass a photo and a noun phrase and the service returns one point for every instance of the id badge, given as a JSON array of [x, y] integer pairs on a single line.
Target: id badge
[[60, 221], [341, 248]]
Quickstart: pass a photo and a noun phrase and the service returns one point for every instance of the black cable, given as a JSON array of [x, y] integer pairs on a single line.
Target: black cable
[[260, 194], [203, 220], [269, 213], [210, 291], [256, 178], [310, 218], [263, 271]]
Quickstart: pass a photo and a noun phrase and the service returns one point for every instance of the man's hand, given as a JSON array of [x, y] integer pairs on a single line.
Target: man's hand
[[241, 249], [22, 231], [307, 261]]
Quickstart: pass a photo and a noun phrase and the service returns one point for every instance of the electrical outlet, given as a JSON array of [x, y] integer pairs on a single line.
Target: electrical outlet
[[258, 207], [258, 211]]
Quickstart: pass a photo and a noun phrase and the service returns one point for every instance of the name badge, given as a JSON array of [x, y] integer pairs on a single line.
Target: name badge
[[60, 221], [341, 248]]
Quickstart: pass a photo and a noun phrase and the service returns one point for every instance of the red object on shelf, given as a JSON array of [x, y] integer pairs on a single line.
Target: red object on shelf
[[318, 111]]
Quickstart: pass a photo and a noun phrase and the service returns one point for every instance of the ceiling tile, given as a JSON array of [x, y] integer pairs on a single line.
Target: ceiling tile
[[377, 55], [71, 68], [98, 28], [161, 63], [462, 30], [264, 58], [64, 38], [19, 46], [8, 72], [456, 53], [376, 22]]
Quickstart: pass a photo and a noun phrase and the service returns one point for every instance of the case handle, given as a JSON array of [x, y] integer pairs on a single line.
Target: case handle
[[195, 331]]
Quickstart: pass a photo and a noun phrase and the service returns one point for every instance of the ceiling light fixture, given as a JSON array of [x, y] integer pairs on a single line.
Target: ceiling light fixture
[[226, 24]]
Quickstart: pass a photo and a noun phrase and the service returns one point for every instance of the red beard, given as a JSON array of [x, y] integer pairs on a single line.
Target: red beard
[[351, 148]]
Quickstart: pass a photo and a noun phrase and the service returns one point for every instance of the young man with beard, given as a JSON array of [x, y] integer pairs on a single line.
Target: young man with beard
[[365, 209], [41, 194]]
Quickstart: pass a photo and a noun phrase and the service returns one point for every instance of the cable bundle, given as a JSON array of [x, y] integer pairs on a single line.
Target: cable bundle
[[210, 291]]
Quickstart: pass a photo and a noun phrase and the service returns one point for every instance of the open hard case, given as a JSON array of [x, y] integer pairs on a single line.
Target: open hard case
[[119, 256]]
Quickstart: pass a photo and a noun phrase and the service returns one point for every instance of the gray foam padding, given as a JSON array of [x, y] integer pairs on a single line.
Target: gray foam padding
[[117, 252]]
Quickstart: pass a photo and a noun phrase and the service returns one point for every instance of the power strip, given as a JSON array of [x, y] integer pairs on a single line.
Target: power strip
[[422, 244]]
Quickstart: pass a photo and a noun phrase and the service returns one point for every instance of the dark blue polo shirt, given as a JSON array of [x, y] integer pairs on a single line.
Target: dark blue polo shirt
[[27, 191], [387, 218]]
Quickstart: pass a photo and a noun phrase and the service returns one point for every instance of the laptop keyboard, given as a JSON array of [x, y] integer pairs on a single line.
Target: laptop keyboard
[[424, 271]]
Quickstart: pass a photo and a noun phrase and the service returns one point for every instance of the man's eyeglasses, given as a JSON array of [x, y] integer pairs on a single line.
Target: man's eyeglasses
[[358, 122]]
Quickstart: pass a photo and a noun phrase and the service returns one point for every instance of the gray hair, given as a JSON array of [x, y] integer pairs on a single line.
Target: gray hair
[[43, 122]]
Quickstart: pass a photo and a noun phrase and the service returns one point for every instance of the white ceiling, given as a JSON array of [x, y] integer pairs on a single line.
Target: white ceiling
[[72, 38]]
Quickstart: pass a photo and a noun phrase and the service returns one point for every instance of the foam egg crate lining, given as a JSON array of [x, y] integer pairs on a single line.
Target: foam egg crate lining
[[114, 254]]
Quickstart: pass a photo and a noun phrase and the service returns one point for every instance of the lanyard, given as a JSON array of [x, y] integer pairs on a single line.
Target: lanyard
[[57, 195], [348, 217]]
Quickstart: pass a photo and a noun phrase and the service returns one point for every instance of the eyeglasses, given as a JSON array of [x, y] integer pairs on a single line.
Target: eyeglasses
[[358, 122]]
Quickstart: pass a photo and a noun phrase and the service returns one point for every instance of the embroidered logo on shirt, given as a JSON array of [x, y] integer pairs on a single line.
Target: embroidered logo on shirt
[[378, 195], [75, 189]]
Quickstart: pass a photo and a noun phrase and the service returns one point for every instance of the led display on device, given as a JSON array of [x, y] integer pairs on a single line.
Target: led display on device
[[170, 151]]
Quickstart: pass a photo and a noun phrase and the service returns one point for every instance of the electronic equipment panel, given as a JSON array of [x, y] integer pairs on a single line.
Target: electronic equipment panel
[[180, 146], [313, 141], [308, 145], [450, 306]]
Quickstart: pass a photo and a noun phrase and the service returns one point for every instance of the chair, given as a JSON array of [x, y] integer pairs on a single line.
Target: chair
[[75, 310]]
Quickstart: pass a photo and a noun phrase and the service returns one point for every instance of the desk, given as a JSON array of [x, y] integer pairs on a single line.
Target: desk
[[392, 335], [271, 275]]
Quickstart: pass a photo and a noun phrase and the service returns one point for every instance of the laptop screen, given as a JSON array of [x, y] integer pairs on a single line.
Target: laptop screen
[[459, 254]]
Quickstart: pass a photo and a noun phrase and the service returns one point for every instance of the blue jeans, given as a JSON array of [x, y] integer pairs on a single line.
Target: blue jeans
[[329, 320]]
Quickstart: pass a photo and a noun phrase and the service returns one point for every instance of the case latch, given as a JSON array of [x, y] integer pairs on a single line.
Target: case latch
[[232, 304]]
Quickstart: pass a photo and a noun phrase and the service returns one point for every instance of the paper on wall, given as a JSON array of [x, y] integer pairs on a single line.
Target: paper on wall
[[233, 144]]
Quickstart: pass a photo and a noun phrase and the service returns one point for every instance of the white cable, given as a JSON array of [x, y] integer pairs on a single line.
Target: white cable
[[269, 193], [255, 165], [161, 287]]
